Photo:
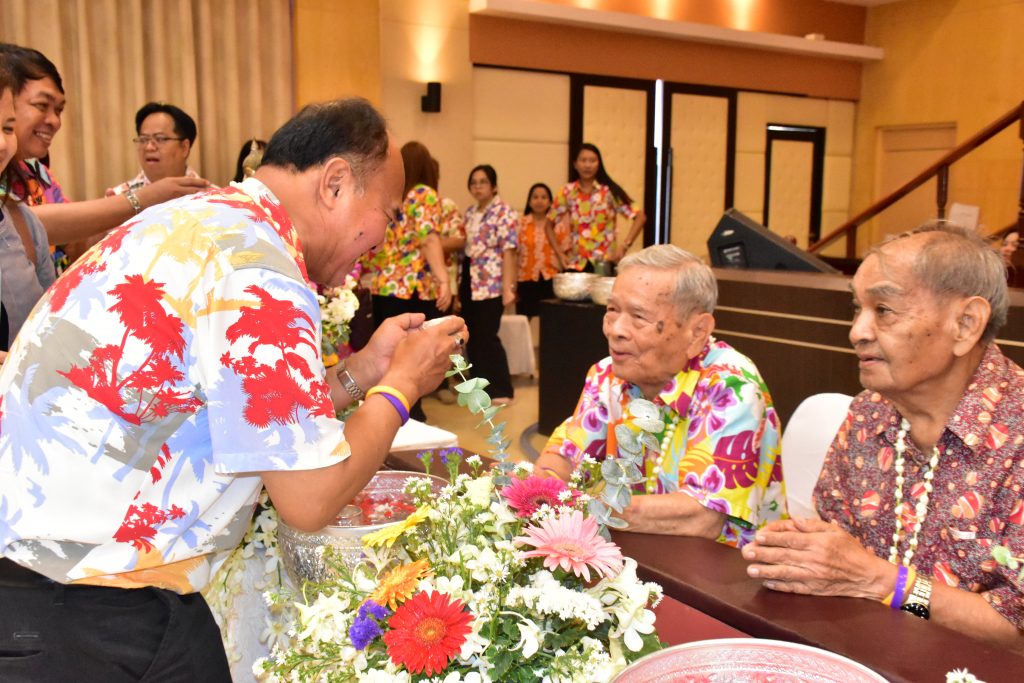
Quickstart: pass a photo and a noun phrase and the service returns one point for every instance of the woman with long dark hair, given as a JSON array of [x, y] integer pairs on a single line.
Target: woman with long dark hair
[[488, 281], [588, 206], [539, 253]]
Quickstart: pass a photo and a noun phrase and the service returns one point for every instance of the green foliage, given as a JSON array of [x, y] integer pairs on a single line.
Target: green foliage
[[472, 395]]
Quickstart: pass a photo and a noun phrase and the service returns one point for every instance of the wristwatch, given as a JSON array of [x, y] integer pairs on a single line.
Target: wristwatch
[[919, 601], [349, 383]]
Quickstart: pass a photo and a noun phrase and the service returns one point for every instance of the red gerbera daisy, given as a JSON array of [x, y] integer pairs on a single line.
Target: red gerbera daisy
[[526, 496], [427, 631]]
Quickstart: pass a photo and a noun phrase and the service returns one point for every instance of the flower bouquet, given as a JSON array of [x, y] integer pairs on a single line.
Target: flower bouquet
[[484, 582], [338, 306]]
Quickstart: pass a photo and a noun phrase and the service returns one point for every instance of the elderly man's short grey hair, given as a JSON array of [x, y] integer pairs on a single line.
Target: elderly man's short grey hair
[[696, 290], [957, 262]]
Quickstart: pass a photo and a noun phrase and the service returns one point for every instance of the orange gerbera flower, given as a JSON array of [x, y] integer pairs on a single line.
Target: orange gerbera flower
[[427, 631], [398, 584]]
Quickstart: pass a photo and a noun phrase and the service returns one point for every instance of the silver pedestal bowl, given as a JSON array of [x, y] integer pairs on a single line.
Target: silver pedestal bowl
[[301, 552]]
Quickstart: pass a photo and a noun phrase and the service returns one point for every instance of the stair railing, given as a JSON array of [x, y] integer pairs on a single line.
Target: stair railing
[[938, 170]]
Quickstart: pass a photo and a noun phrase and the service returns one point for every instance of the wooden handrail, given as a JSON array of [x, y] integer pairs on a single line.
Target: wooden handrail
[[940, 168]]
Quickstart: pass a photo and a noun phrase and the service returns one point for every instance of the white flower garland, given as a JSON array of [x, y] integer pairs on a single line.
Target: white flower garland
[[921, 510]]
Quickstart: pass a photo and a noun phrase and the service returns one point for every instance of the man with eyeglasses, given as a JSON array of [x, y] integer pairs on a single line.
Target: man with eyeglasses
[[39, 105], [165, 138]]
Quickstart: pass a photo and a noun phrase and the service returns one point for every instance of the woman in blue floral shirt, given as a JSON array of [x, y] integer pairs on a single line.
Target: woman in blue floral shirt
[[488, 281]]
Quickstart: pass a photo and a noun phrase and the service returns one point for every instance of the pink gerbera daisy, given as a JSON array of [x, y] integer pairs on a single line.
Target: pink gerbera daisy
[[571, 541], [526, 496]]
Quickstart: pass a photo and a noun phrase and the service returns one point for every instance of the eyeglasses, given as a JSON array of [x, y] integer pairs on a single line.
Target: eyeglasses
[[159, 140]]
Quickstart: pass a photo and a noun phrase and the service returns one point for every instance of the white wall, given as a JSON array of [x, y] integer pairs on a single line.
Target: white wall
[[521, 127]]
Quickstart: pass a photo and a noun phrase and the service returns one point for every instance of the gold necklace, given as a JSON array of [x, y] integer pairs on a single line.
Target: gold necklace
[[921, 509]]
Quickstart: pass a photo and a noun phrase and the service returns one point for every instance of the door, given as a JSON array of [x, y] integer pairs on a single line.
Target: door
[[794, 173], [903, 153]]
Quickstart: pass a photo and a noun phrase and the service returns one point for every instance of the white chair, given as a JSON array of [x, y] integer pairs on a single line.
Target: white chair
[[804, 443]]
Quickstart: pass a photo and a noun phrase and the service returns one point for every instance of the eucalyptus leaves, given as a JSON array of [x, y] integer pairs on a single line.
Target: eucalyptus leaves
[[626, 469], [471, 395], [1005, 557], [619, 474]]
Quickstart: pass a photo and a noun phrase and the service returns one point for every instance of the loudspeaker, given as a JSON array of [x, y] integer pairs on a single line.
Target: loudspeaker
[[431, 102]]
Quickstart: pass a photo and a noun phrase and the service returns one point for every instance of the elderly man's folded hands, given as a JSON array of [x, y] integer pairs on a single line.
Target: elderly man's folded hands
[[817, 558]]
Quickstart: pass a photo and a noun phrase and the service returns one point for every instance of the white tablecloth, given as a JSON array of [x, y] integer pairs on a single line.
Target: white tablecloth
[[517, 340]]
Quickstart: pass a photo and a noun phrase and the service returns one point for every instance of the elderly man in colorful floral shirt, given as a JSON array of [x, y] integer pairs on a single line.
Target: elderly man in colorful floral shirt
[[921, 489], [718, 466], [173, 372]]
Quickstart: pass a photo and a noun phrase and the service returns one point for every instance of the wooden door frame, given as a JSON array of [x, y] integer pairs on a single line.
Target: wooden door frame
[[732, 97], [796, 133]]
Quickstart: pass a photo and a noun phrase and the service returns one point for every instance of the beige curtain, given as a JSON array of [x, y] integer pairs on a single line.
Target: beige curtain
[[228, 63]]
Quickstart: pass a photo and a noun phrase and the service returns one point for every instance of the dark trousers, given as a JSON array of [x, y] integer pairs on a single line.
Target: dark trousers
[[52, 632], [385, 307], [484, 349], [389, 306]]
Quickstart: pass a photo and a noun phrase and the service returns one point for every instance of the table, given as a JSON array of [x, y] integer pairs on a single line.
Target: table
[[711, 578], [570, 342]]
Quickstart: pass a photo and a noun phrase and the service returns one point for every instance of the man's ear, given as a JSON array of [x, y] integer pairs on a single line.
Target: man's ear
[[188, 147], [336, 181], [972, 317], [702, 325]]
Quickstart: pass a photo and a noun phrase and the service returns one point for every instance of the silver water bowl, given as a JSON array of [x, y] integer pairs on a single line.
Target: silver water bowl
[[601, 289], [301, 551], [573, 286]]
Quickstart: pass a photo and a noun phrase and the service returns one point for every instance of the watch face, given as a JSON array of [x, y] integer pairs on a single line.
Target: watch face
[[917, 609]]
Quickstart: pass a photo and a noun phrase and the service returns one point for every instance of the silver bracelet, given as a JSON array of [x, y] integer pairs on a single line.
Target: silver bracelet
[[133, 199], [349, 383]]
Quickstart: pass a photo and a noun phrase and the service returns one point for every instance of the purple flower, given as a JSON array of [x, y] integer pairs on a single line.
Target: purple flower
[[363, 631], [371, 608], [365, 628], [708, 415], [445, 453], [595, 418]]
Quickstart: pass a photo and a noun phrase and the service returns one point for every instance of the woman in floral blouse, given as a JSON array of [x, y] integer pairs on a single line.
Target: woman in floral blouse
[[488, 281], [539, 253], [407, 272], [587, 206]]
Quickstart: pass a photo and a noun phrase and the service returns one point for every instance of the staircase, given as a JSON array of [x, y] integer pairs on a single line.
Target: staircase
[[939, 170]]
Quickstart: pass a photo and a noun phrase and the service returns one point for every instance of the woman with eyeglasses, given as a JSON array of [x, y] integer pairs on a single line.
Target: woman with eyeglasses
[[488, 282]]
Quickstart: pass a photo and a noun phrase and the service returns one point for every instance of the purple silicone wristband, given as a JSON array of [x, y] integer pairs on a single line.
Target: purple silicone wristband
[[901, 584], [397, 403]]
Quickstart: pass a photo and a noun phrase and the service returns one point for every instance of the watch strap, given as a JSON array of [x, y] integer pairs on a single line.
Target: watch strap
[[349, 383], [919, 601]]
